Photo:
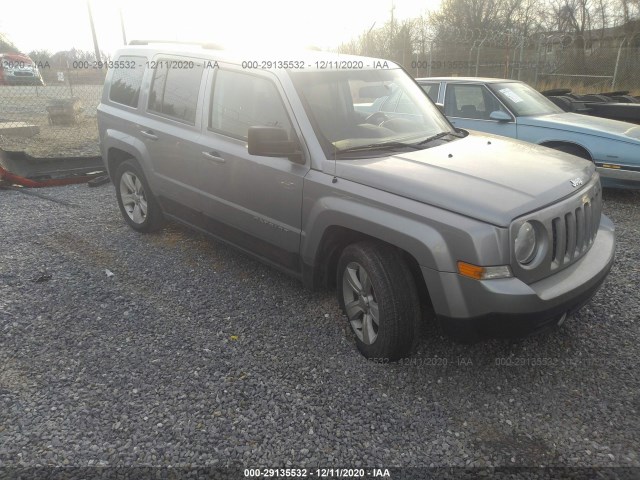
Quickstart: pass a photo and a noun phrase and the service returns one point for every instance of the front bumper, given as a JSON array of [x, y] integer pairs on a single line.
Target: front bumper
[[510, 307]]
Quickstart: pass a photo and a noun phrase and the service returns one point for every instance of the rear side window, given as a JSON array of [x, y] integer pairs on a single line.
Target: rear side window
[[241, 101], [175, 88], [125, 82], [431, 89]]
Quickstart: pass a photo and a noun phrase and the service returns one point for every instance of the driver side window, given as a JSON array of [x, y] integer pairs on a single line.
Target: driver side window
[[241, 101], [470, 101], [465, 101]]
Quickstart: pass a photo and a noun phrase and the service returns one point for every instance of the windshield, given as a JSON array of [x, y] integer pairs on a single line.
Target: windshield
[[524, 100], [368, 111]]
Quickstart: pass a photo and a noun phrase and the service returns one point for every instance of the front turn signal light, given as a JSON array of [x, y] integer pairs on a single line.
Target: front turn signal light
[[483, 273]]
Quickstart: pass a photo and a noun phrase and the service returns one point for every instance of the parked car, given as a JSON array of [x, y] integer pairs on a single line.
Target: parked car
[[19, 69], [617, 105], [403, 217], [514, 109]]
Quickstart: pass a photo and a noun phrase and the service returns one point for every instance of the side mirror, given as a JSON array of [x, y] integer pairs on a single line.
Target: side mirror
[[272, 142], [500, 116], [440, 107]]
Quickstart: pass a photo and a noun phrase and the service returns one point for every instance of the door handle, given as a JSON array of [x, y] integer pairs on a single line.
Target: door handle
[[149, 134], [214, 157]]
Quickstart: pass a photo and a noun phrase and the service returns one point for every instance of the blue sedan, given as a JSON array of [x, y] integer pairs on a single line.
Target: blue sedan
[[514, 109]]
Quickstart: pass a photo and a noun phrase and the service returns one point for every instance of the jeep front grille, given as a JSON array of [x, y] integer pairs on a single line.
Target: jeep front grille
[[566, 232], [573, 233]]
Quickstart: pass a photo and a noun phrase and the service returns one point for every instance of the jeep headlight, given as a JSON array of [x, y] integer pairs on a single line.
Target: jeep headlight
[[526, 244]]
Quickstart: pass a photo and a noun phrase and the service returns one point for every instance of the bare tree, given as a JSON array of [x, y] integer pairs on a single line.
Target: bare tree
[[41, 57], [6, 45], [468, 14]]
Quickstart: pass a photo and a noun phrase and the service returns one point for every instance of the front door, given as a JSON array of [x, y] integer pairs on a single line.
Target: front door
[[259, 199]]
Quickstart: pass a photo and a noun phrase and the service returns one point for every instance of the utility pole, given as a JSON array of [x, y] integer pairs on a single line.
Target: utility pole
[[93, 33], [393, 26], [392, 33], [124, 35], [369, 53]]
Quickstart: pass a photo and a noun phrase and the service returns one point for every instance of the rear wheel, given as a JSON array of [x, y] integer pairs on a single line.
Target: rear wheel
[[137, 204], [377, 293]]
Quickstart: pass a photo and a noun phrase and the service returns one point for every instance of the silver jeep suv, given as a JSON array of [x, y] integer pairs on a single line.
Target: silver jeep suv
[[403, 214]]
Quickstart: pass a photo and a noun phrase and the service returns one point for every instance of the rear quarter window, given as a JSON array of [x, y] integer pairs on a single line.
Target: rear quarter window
[[431, 89], [126, 82]]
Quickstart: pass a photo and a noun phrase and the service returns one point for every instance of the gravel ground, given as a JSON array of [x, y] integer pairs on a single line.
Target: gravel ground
[[194, 354]]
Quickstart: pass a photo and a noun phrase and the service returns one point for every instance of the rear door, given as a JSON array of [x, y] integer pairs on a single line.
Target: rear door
[[171, 127]]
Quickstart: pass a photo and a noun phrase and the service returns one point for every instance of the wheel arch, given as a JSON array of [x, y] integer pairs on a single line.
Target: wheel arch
[[574, 145], [115, 156], [122, 147], [336, 238]]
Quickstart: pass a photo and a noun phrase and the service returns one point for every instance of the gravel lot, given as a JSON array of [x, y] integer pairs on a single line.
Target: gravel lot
[[194, 354]]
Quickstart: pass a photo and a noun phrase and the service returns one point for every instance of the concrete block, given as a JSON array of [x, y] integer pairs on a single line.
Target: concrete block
[[19, 129]]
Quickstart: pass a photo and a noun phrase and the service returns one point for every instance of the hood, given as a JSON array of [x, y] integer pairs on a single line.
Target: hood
[[486, 177], [576, 122]]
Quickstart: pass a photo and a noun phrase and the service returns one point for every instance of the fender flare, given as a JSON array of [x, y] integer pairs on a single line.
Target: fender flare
[[420, 240]]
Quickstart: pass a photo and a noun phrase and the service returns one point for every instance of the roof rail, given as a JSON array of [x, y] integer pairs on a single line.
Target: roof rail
[[207, 45]]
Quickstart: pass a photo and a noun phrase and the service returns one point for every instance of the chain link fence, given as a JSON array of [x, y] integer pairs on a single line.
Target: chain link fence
[[57, 119], [589, 63]]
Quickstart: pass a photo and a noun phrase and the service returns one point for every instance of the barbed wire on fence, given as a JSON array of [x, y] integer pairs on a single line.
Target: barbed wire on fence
[[594, 58], [501, 39]]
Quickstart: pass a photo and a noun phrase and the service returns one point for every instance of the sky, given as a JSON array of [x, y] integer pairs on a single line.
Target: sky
[[62, 24]]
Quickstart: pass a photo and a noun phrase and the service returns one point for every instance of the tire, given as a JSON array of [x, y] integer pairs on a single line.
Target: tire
[[137, 204], [573, 150], [380, 272]]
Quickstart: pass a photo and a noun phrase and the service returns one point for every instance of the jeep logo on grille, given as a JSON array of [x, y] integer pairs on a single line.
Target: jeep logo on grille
[[576, 182]]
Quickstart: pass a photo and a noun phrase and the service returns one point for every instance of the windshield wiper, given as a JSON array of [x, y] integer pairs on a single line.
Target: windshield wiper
[[436, 137], [381, 146]]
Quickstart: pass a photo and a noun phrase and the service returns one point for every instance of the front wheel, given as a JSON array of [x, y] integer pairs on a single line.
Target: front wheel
[[137, 204], [377, 293]]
